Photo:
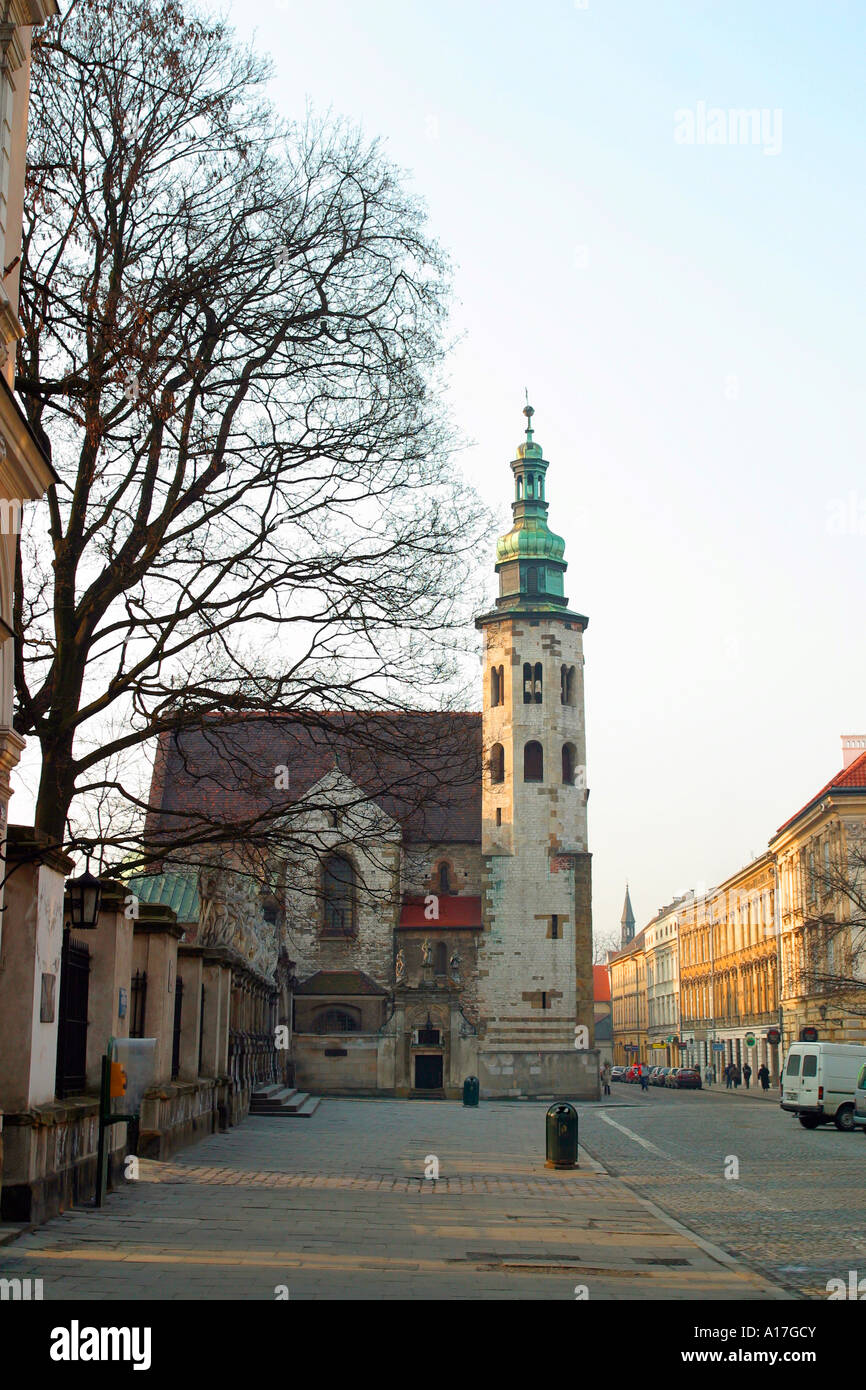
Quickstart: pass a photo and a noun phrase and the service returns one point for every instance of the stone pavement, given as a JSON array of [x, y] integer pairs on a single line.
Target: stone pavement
[[338, 1207]]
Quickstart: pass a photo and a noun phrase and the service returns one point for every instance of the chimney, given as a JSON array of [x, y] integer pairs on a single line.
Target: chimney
[[852, 746]]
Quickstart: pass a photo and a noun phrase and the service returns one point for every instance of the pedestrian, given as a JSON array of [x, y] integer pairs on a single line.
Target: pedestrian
[[737, 1078], [764, 1077], [708, 1075], [729, 1076], [747, 1075], [605, 1078], [643, 1073]]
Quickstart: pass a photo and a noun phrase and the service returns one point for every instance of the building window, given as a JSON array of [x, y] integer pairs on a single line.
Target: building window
[[544, 1000], [499, 815], [532, 683], [568, 764], [335, 1021], [338, 894], [533, 762], [440, 959], [497, 763], [554, 926], [444, 879], [532, 579], [567, 677], [497, 685]]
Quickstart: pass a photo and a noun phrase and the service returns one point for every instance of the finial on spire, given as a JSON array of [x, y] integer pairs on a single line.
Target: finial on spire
[[528, 412]]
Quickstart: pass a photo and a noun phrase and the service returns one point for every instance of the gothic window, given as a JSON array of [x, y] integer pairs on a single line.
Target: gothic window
[[338, 895], [444, 880], [497, 763], [335, 1021], [497, 685], [533, 762]]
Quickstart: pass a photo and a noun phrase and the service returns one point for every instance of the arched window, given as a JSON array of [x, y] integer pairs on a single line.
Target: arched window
[[335, 1021], [567, 676], [527, 683], [444, 879], [338, 895], [536, 683], [568, 764], [519, 489], [440, 959], [497, 685], [532, 579], [541, 484], [533, 762], [497, 763], [530, 489]]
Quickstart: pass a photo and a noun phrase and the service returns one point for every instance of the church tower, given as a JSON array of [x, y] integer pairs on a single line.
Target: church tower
[[626, 921], [535, 958]]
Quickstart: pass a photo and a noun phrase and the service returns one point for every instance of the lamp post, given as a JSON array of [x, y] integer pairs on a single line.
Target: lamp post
[[85, 897]]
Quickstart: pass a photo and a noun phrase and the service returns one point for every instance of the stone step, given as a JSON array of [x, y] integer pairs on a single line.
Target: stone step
[[267, 1091], [276, 1099], [300, 1107]]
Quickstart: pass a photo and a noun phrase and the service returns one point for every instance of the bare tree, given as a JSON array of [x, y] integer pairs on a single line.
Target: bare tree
[[603, 943], [232, 338], [832, 964]]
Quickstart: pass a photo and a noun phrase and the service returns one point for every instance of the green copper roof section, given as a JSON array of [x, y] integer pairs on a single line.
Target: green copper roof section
[[530, 536], [174, 889]]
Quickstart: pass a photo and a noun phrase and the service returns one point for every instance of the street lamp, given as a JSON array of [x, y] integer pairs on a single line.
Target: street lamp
[[85, 895]]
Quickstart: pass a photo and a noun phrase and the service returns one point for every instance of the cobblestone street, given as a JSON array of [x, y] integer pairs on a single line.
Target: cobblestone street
[[338, 1207]]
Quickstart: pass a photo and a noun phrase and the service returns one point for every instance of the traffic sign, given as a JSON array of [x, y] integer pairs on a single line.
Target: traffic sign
[[718, 1047], [774, 1036]]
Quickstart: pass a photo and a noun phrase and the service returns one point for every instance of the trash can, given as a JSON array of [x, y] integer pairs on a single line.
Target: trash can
[[561, 1129], [470, 1090]]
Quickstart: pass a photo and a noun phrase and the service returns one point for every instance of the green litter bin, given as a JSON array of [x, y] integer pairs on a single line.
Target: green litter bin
[[561, 1129], [470, 1090]]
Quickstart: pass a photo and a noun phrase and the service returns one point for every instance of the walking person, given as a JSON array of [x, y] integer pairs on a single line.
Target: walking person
[[729, 1076], [708, 1075], [643, 1073], [605, 1078], [736, 1070], [764, 1077], [747, 1075]]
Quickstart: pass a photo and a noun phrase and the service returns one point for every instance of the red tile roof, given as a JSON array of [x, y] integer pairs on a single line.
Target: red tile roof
[[600, 984], [851, 778], [422, 768], [453, 912]]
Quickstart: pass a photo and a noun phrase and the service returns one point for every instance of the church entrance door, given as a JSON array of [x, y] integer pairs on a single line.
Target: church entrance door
[[428, 1073]]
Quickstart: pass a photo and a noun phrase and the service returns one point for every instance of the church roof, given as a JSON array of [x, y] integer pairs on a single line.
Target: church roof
[[177, 890], [627, 918], [454, 911], [422, 768]]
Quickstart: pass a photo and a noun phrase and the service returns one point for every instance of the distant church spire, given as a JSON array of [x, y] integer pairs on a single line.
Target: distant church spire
[[627, 920]]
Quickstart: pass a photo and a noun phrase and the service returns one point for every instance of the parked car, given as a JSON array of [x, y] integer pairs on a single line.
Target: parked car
[[819, 1082], [654, 1071], [671, 1078], [860, 1101], [688, 1079], [617, 1073], [658, 1079]]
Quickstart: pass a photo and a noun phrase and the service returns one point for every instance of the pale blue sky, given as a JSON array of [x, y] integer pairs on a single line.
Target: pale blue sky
[[624, 278], [689, 322]]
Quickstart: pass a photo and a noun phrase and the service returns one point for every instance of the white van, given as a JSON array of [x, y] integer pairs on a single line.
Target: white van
[[860, 1100], [819, 1082]]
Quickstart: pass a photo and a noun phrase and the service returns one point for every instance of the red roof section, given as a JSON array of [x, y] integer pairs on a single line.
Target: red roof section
[[422, 768], [600, 984], [851, 778], [453, 912]]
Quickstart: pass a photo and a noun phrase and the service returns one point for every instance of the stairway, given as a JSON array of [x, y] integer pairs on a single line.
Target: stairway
[[284, 1101]]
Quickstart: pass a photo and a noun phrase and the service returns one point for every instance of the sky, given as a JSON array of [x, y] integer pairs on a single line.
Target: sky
[[687, 318]]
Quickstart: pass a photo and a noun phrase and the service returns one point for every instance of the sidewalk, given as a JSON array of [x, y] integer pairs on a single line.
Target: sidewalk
[[339, 1208]]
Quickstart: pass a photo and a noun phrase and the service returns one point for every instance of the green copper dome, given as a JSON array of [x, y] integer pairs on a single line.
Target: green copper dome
[[529, 557]]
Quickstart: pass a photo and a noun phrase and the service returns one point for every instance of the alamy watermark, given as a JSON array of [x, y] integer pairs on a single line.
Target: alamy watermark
[[736, 125]]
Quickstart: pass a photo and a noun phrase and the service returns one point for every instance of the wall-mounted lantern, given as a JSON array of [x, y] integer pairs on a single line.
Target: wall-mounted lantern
[[85, 896]]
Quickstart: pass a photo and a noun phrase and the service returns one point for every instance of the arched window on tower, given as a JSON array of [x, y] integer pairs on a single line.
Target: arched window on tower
[[338, 896], [533, 762], [568, 764], [530, 485], [532, 580], [567, 682], [497, 685], [527, 683], [497, 763], [541, 484], [519, 489], [444, 878], [536, 683]]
